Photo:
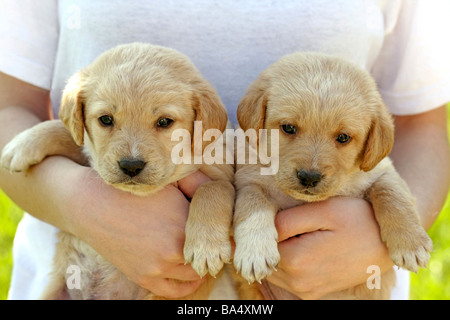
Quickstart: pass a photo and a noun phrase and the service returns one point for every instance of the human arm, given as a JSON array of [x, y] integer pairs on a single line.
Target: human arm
[[340, 236], [421, 155], [74, 199]]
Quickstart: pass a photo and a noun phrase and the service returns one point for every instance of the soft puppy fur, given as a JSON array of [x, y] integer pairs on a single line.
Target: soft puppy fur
[[334, 137], [121, 110]]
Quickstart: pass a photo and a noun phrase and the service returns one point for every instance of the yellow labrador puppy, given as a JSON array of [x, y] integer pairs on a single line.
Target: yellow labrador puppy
[[334, 137], [123, 109]]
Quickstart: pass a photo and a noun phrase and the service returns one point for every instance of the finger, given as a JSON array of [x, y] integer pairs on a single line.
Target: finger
[[173, 289], [295, 252], [183, 273], [279, 280], [298, 220], [190, 184]]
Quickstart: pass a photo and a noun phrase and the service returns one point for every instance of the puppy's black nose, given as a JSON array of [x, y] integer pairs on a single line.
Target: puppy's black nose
[[309, 178], [131, 167]]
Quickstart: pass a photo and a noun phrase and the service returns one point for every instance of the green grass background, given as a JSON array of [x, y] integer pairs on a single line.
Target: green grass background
[[10, 216], [431, 283]]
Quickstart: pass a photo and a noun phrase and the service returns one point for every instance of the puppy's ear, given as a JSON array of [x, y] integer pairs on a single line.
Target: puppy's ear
[[71, 111], [251, 110], [380, 139], [209, 109]]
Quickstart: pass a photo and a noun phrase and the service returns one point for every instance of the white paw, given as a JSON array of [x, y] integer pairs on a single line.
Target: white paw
[[412, 250], [207, 251], [21, 153], [256, 254]]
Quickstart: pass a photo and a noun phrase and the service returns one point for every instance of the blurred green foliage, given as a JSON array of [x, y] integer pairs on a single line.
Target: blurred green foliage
[[433, 283], [10, 216]]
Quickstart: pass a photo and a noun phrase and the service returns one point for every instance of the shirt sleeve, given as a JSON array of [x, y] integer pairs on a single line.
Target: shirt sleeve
[[413, 68], [29, 30]]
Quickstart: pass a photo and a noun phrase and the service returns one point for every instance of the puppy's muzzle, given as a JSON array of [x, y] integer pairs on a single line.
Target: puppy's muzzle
[[131, 167], [309, 178]]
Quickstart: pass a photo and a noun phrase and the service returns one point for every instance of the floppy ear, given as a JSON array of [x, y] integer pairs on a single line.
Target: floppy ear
[[251, 110], [209, 110], [380, 140], [71, 111]]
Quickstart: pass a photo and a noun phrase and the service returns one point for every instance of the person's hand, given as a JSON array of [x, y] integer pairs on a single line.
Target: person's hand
[[339, 240], [143, 236]]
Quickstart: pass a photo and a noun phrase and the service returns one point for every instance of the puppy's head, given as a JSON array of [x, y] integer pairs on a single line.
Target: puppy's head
[[125, 106], [331, 119]]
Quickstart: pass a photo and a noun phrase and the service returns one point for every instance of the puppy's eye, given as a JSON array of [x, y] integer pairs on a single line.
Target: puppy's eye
[[164, 122], [106, 121], [343, 138], [288, 128]]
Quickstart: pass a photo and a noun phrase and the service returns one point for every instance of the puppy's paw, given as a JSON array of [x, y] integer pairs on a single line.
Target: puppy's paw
[[21, 152], [256, 254], [207, 250], [410, 250]]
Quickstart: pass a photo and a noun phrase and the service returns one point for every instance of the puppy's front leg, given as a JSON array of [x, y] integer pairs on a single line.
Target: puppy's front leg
[[255, 234], [395, 211], [34, 144], [208, 246]]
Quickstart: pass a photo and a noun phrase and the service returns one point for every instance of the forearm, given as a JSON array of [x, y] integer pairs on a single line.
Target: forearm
[[14, 120], [36, 190], [45, 191], [421, 155]]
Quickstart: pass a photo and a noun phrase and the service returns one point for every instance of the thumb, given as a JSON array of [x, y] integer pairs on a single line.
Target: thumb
[[301, 219], [190, 184]]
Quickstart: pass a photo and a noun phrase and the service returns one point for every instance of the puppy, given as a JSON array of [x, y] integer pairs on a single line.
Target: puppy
[[121, 110], [334, 137]]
